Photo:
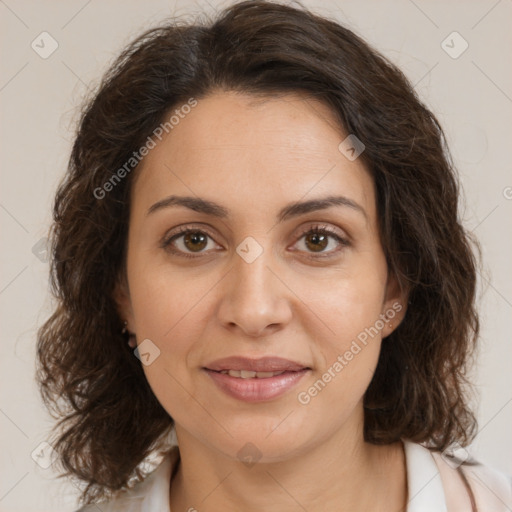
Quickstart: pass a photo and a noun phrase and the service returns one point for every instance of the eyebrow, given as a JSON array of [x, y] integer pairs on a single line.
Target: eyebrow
[[291, 210]]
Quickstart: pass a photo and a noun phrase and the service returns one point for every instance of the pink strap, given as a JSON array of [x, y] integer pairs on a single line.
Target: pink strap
[[457, 496]]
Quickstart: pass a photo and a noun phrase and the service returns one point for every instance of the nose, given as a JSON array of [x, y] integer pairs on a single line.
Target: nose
[[254, 301]]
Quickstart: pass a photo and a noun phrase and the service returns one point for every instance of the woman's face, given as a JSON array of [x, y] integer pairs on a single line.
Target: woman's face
[[248, 281]]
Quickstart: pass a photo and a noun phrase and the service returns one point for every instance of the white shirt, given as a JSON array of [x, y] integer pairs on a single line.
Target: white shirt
[[434, 485]]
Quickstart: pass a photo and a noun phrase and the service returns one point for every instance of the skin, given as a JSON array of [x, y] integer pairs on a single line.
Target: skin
[[255, 156]]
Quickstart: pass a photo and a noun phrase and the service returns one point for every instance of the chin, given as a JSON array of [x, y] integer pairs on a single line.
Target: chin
[[254, 442]]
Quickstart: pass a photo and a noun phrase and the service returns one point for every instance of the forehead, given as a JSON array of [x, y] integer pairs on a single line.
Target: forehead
[[253, 153]]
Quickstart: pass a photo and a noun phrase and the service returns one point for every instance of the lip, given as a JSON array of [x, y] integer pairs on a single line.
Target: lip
[[257, 389], [262, 364]]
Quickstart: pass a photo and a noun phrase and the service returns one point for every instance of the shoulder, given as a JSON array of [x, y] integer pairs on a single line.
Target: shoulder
[[453, 481], [461, 473], [150, 494]]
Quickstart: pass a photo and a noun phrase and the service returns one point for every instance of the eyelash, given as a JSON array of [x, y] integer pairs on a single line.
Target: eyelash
[[317, 230]]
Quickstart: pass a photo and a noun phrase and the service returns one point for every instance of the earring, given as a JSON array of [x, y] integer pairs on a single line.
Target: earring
[[132, 342]]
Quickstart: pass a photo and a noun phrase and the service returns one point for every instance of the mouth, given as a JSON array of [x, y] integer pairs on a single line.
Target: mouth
[[261, 365], [256, 380], [248, 374]]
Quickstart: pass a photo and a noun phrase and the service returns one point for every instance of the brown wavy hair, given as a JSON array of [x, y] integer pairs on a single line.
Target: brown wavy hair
[[109, 419]]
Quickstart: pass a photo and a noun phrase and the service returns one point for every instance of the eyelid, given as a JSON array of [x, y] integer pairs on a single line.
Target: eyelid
[[341, 238], [183, 230], [318, 226]]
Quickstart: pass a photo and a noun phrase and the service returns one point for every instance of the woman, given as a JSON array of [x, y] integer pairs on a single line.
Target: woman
[[265, 294]]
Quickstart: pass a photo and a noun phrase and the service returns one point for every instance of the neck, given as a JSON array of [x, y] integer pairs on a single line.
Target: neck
[[343, 473]]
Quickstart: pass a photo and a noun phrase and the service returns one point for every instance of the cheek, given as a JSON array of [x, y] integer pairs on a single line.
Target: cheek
[[348, 342], [171, 320], [163, 299], [349, 353], [169, 310], [345, 305], [335, 394]]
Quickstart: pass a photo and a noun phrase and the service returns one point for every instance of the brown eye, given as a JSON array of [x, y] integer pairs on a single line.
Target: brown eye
[[318, 239], [190, 243], [187, 242], [195, 241]]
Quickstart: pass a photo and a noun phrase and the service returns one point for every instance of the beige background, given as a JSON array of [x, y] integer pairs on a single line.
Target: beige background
[[39, 101]]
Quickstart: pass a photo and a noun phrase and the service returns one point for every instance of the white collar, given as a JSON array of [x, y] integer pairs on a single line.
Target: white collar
[[425, 489], [424, 486]]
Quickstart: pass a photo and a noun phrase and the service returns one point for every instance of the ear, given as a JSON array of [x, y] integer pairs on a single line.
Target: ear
[[121, 296], [394, 306]]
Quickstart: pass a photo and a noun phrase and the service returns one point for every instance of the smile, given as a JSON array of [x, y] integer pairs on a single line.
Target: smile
[[248, 374], [251, 386]]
